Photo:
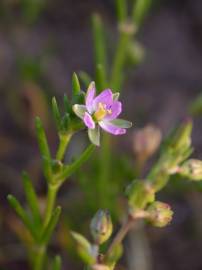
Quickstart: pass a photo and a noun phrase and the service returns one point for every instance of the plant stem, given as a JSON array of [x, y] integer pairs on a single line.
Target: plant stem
[[69, 169], [119, 59], [64, 141], [52, 193], [40, 254], [121, 233], [104, 172]]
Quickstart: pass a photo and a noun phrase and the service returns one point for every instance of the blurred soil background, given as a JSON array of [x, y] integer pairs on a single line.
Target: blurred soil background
[[37, 59]]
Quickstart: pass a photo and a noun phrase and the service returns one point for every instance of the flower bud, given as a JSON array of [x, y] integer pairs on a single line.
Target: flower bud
[[101, 226], [160, 214], [146, 141], [192, 169], [139, 194]]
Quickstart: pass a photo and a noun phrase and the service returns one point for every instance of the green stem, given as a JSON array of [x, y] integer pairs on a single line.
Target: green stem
[[40, 255], [70, 169], [119, 60], [52, 193], [121, 234], [104, 172], [64, 141]]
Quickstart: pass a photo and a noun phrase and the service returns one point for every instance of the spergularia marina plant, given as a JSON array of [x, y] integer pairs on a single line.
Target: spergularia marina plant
[[86, 111]]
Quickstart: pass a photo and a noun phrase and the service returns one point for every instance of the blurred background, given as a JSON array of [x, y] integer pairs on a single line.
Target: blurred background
[[41, 44]]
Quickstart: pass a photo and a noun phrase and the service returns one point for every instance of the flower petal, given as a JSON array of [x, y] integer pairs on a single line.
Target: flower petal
[[116, 109], [121, 123], [111, 128], [79, 110], [90, 97], [106, 97], [88, 120], [94, 135]]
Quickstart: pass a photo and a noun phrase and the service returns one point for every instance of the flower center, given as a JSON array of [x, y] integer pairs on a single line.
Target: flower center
[[101, 112]]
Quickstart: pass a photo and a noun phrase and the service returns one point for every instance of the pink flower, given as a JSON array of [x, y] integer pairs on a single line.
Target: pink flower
[[101, 111]]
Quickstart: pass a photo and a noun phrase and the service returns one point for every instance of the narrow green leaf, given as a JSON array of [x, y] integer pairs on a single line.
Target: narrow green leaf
[[99, 43], [67, 104], [81, 240], [70, 169], [31, 198], [65, 122], [47, 169], [42, 140], [83, 248], [51, 225], [140, 10], [195, 108], [121, 9], [75, 85], [119, 61], [14, 203], [44, 148], [85, 78], [100, 78], [57, 263], [182, 136], [56, 113]]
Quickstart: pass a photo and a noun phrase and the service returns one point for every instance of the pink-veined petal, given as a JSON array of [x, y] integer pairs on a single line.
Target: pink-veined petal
[[88, 120], [111, 128], [106, 97], [116, 109], [90, 97]]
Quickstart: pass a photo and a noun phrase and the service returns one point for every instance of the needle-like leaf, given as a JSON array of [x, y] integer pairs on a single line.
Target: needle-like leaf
[[14, 203], [31, 198]]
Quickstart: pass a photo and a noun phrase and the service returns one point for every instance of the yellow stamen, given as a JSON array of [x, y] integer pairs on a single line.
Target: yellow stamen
[[101, 112]]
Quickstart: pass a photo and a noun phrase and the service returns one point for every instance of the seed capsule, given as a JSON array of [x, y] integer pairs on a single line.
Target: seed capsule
[[160, 214], [192, 169], [101, 226]]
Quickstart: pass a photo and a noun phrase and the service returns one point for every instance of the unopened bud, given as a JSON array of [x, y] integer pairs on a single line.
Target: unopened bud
[[146, 141], [140, 193], [192, 169], [160, 214], [101, 226]]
